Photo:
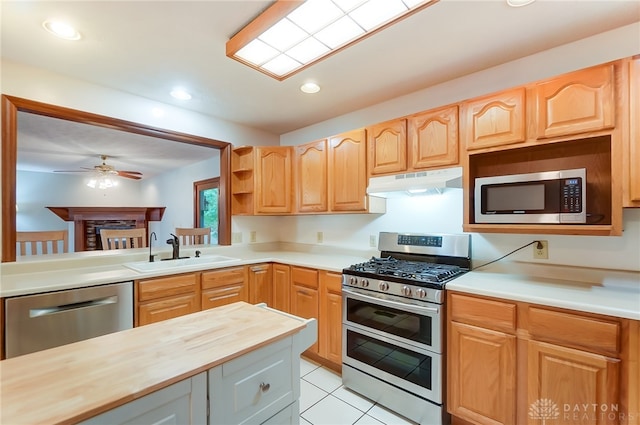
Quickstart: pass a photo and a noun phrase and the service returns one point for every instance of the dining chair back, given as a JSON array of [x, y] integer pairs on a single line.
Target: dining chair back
[[42, 242], [194, 235], [123, 238]]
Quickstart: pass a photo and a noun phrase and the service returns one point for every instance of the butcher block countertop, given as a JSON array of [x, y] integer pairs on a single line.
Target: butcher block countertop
[[74, 382]]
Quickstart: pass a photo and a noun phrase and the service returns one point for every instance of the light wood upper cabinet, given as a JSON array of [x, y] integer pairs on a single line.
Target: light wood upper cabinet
[[348, 171], [494, 120], [311, 179], [387, 147], [273, 183], [632, 160], [433, 138], [576, 103]]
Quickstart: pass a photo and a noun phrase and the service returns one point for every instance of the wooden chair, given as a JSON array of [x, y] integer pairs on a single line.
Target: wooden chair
[[194, 235], [29, 242], [123, 238]]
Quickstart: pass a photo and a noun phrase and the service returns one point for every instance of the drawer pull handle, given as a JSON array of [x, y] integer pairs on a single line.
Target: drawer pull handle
[[264, 387]]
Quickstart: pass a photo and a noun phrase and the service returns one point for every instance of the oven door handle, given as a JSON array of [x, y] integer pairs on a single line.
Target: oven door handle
[[404, 306]]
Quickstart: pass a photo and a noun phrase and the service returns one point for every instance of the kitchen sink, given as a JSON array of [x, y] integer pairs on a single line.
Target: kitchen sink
[[181, 263]]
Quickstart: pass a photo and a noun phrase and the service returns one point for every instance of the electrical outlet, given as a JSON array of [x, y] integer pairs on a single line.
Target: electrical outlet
[[541, 253], [372, 241], [320, 237], [253, 236], [236, 237]]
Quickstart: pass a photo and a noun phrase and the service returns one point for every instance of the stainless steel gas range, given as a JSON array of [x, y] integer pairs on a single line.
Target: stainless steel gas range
[[393, 321]]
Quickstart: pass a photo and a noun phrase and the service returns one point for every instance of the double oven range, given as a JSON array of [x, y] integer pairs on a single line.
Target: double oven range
[[393, 322]]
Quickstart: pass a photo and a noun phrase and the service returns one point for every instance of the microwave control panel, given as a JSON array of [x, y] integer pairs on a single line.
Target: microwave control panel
[[572, 195]]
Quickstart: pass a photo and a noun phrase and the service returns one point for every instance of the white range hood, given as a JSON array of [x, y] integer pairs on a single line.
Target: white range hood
[[416, 183]]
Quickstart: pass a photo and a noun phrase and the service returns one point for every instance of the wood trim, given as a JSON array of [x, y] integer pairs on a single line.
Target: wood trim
[[10, 107]]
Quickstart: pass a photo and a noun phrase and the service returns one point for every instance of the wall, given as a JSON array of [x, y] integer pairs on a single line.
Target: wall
[[413, 214]]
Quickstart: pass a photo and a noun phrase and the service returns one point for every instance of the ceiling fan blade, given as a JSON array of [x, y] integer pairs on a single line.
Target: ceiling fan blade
[[130, 172], [128, 176]]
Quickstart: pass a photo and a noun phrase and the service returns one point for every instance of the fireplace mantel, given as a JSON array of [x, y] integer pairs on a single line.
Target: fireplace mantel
[[80, 215]]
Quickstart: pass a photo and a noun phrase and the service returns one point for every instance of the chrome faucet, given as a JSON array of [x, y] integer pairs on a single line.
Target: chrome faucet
[[152, 257], [175, 244]]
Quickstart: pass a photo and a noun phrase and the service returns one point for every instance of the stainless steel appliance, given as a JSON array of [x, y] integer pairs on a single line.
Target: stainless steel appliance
[[546, 197], [41, 321], [393, 347]]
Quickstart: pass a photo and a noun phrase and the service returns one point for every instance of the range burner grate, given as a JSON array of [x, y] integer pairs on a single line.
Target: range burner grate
[[410, 270]]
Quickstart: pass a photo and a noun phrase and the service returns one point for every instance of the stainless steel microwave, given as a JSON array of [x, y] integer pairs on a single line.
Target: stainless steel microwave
[[546, 197]]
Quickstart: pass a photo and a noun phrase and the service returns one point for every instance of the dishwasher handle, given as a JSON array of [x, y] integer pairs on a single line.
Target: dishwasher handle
[[38, 312]]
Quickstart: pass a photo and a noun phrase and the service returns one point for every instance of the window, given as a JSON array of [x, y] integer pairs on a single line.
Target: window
[[205, 208]]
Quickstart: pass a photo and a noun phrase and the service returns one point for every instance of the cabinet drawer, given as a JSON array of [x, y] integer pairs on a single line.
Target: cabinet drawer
[[223, 277], [574, 330], [304, 277], [151, 289], [491, 314], [254, 387]]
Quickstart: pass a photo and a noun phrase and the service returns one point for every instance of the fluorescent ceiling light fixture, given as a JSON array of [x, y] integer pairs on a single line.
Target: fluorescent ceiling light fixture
[[310, 88], [291, 35], [180, 94], [61, 29]]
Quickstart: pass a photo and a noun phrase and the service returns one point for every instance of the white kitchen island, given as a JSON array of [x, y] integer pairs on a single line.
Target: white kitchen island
[[227, 365]]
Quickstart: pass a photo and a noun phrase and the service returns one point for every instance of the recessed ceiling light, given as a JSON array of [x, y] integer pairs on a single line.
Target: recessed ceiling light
[[310, 88], [180, 94], [519, 3], [61, 29]]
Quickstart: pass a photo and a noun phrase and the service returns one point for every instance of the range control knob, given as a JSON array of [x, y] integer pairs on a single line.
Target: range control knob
[[353, 281], [384, 286], [364, 283], [406, 291], [421, 293]]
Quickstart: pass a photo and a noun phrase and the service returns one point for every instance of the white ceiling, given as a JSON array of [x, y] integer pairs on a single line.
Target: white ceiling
[[147, 47]]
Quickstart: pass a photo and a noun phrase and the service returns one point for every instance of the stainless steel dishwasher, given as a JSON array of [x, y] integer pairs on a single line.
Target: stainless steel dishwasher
[[41, 321]]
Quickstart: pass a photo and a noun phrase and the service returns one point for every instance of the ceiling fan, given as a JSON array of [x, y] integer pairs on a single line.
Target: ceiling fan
[[104, 169]]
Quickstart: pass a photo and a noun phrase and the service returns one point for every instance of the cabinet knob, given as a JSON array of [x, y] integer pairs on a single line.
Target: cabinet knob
[[264, 387]]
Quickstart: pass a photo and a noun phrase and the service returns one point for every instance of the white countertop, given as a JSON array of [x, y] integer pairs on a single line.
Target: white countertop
[[68, 271], [609, 292]]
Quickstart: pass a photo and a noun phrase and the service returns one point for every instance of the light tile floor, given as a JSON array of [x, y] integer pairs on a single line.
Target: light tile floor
[[324, 401]]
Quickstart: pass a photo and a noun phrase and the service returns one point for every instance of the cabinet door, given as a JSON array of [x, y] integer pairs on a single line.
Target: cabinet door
[[576, 103], [348, 171], [304, 303], [482, 375], [387, 146], [311, 177], [433, 138], [494, 120], [167, 308], [224, 286], [562, 381], [260, 283], [273, 182], [634, 136], [282, 287], [330, 321]]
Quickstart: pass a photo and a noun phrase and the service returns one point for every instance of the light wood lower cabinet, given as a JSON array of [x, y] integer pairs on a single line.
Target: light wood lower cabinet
[[282, 287], [164, 298], [260, 284], [330, 319], [515, 362], [304, 296], [224, 286]]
